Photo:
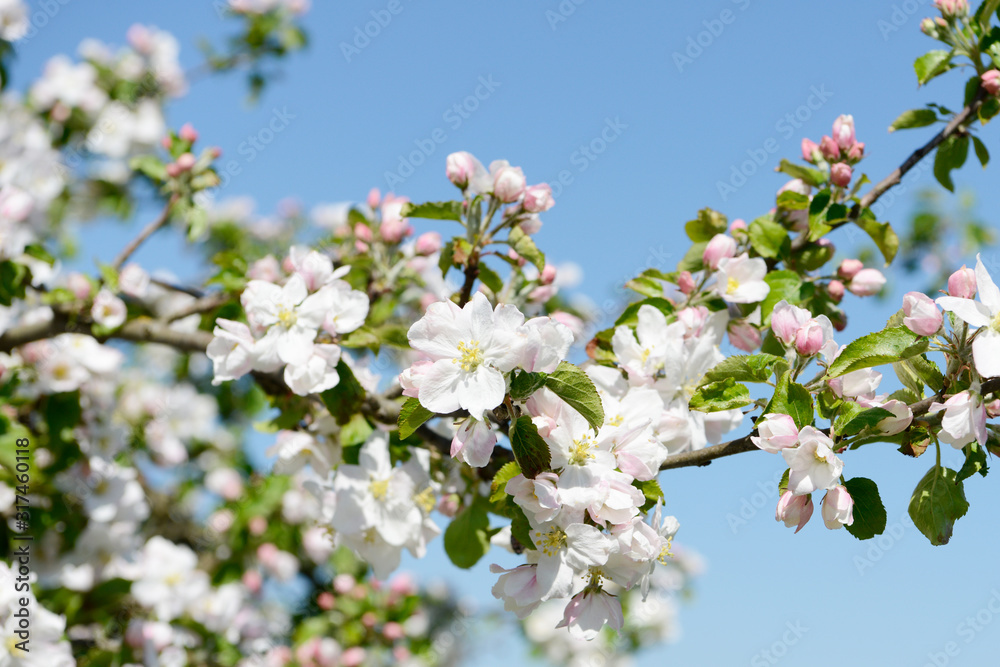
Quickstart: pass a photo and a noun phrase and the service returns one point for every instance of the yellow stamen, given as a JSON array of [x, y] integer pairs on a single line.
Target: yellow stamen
[[665, 552], [286, 318], [379, 488], [580, 452], [732, 285], [425, 500], [471, 357], [552, 541], [616, 420]]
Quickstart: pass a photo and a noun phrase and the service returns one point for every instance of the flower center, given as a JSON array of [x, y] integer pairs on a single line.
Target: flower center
[[173, 579], [286, 317], [12, 648], [580, 452], [552, 541], [995, 324], [616, 420], [819, 457], [425, 500], [665, 552], [471, 357], [379, 488], [732, 285]]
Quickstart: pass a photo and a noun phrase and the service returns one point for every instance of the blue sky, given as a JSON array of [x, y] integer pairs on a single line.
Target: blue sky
[[758, 78]]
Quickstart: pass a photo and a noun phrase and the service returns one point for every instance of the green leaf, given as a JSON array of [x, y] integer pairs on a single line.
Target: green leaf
[[530, 451], [648, 287], [869, 512], [793, 201], [982, 152], [506, 473], [630, 316], [150, 166], [575, 387], [466, 539], [813, 177], [345, 399], [520, 528], [768, 238], [793, 400], [524, 384], [931, 64], [490, 278], [882, 347], [975, 461], [447, 258], [881, 233], [38, 251], [412, 416], [918, 371], [785, 285], [524, 246], [651, 491], [362, 337], [937, 503], [706, 225], [951, 155], [854, 418], [14, 278], [442, 210], [743, 368], [692, 260], [914, 118], [720, 395], [783, 484]]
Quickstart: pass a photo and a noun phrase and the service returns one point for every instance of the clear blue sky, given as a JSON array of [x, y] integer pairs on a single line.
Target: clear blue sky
[[680, 131]]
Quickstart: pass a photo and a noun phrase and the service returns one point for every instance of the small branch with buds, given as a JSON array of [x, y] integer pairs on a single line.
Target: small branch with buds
[[146, 232]]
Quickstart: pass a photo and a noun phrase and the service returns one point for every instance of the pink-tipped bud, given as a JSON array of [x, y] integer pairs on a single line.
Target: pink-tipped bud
[[922, 316], [809, 339], [343, 584], [174, 170], [836, 290], [508, 184], [188, 133], [794, 510], [739, 225], [809, 150], [326, 601], [460, 167], [78, 284], [849, 268], [843, 131], [744, 336], [840, 174], [353, 657], [548, 275], [538, 198], [215, 152], [363, 232], [719, 248], [866, 282], [253, 581], [374, 198], [953, 8], [369, 619], [856, 152], [962, 283], [829, 148], [838, 508], [186, 161], [392, 631], [775, 431], [991, 81], [428, 243], [685, 282], [167, 142], [257, 525], [521, 261]]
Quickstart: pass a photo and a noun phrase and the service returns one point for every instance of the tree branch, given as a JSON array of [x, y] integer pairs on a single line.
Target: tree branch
[[146, 232]]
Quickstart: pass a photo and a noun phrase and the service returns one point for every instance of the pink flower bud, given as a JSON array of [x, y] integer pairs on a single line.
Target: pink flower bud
[[253, 581], [517, 258], [548, 275], [953, 8], [776, 432], [374, 197], [849, 268], [719, 248], [326, 601], [737, 225], [78, 284], [186, 161], [836, 290], [962, 283], [809, 150], [794, 510], [140, 38], [428, 243], [188, 133], [829, 148], [991, 81], [866, 282], [786, 320], [174, 170], [856, 152], [809, 339], [922, 316], [838, 508], [929, 28], [899, 422], [843, 131], [363, 232], [403, 584], [343, 584], [369, 619], [460, 167], [257, 525], [744, 336], [840, 174], [392, 631], [353, 657], [538, 198], [685, 282], [167, 142], [215, 152], [508, 184]]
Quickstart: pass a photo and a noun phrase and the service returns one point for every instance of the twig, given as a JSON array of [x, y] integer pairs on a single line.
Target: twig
[[202, 305], [146, 232]]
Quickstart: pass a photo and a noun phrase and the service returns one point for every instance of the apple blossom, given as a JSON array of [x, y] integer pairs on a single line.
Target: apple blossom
[[964, 419], [232, 351], [921, 315], [991, 81], [829, 148], [843, 131], [741, 279], [108, 310], [508, 182], [564, 551], [474, 442], [428, 243], [777, 432], [720, 247], [538, 198], [849, 268], [962, 283], [984, 314], [866, 282], [809, 150], [589, 611], [794, 510], [813, 464], [841, 174], [838, 508]]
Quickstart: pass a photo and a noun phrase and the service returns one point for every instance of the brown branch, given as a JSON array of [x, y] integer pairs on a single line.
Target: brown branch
[[702, 457], [146, 232], [471, 273], [202, 305]]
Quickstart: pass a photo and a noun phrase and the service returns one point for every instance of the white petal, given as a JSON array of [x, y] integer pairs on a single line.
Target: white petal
[[972, 312], [986, 352], [989, 294]]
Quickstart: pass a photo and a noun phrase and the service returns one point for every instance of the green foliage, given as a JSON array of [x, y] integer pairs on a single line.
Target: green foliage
[[720, 395], [869, 512], [883, 347], [937, 503], [793, 400], [744, 368], [443, 210], [412, 416], [574, 386], [466, 539], [530, 451]]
